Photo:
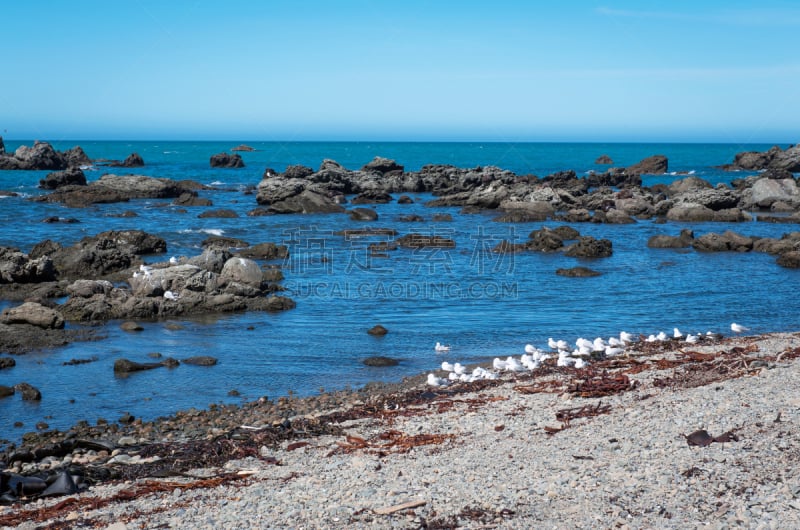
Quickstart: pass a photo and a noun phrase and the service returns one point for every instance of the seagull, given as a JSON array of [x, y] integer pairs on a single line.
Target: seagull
[[459, 369], [436, 381], [173, 260], [441, 347], [615, 342], [582, 343], [513, 365], [169, 295], [692, 339], [531, 349], [599, 344], [447, 367], [580, 363], [676, 333], [498, 364], [661, 336], [612, 351], [737, 328]]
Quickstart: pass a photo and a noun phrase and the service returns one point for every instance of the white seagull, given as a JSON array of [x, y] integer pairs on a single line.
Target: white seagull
[[625, 337], [173, 260], [436, 381], [169, 295], [737, 328], [531, 349], [676, 333], [441, 347], [447, 367]]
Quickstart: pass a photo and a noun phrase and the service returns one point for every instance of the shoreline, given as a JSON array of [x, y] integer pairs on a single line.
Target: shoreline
[[362, 426]]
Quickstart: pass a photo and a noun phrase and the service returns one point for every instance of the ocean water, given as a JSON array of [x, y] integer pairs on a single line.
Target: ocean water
[[482, 304]]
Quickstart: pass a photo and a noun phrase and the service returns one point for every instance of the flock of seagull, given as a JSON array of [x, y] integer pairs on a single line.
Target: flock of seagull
[[565, 355]]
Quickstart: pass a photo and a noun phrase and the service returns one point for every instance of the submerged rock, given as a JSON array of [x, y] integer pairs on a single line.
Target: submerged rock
[[226, 160]]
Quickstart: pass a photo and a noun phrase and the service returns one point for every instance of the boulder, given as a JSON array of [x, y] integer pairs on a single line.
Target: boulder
[[141, 186], [377, 330], [17, 267], [307, 202], [714, 199], [690, 212], [790, 260], [578, 272], [7, 362], [242, 270], [190, 198], [34, 314], [382, 166], [226, 160], [297, 172], [224, 243], [405, 199], [6, 391], [533, 210], [604, 160], [89, 288], [362, 214], [653, 165], [133, 160], [72, 176], [766, 191], [2, 146], [589, 247], [725, 242], [566, 233], [425, 241], [76, 157], [372, 197], [125, 366], [684, 240], [243, 147], [380, 361], [775, 158], [28, 392], [688, 184], [201, 360], [264, 251], [544, 240]]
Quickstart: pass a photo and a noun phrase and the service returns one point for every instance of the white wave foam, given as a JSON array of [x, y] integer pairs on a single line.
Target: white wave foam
[[217, 183], [209, 231]]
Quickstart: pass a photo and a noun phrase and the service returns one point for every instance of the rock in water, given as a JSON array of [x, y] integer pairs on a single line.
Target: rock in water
[[378, 330]]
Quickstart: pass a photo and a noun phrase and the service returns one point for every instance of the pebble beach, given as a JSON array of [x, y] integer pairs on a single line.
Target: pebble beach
[[696, 436]]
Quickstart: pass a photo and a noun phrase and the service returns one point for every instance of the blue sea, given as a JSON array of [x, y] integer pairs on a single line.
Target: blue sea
[[482, 304]]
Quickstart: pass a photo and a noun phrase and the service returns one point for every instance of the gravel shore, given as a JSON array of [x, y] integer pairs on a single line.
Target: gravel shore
[[607, 447]]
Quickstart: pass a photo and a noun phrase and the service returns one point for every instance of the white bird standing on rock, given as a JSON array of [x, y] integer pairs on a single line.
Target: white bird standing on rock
[[531, 349], [447, 367], [737, 328], [661, 336], [676, 333], [498, 364], [459, 369], [173, 260], [691, 339], [625, 337], [441, 347], [169, 295]]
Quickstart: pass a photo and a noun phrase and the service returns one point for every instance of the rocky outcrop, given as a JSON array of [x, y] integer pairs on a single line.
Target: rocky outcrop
[[382, 166], [578, 272], [17, 267], [362, 214], [766, 192], [653, 165], [72, 176], [133, 160], [243, 147], [684, 240], [98, 256], [39, 156], [726, 242], [190, 198], [604, 160], [775, 158], [589, 247], [226, 160], [118, 188], [201, 285], [76, 157]]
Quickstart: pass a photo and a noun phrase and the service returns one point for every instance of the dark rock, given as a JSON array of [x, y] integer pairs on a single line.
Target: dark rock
[[307, 202], [566, 233], [6, 391], [28, 392], [411, 218], [127, 418], [190, 198], [226, 160], [39, 156], [790, 260], [378, 330], [222, 213], [169, 362], [603, 160], [684, 240], [362, 214], [726, 242], [774, 158], [125, 366], [223, 243], [653, 165], [131, 326], [72, 176], [7, 362], [441, 217], [372, 197], [545, 240], [589, 247], [405, 199], [201, 360], [16, 267], [33, 314], [264, 251], [424, 241], [380, 361], [2, 146], [65, 220], [383, 166], [298, 172], [243, 147], [578, 272], [133, 160], [75, 157]]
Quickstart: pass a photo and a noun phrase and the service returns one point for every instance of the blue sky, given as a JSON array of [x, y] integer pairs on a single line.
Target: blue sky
[[411, 70]]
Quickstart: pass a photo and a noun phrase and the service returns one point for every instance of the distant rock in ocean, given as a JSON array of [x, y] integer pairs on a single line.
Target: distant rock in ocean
[[226, 160], [133, 160], [243, 147], [775, 158], [604, 160]]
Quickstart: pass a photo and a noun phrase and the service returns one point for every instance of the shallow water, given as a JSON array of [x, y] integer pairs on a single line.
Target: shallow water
[[482, 304]]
